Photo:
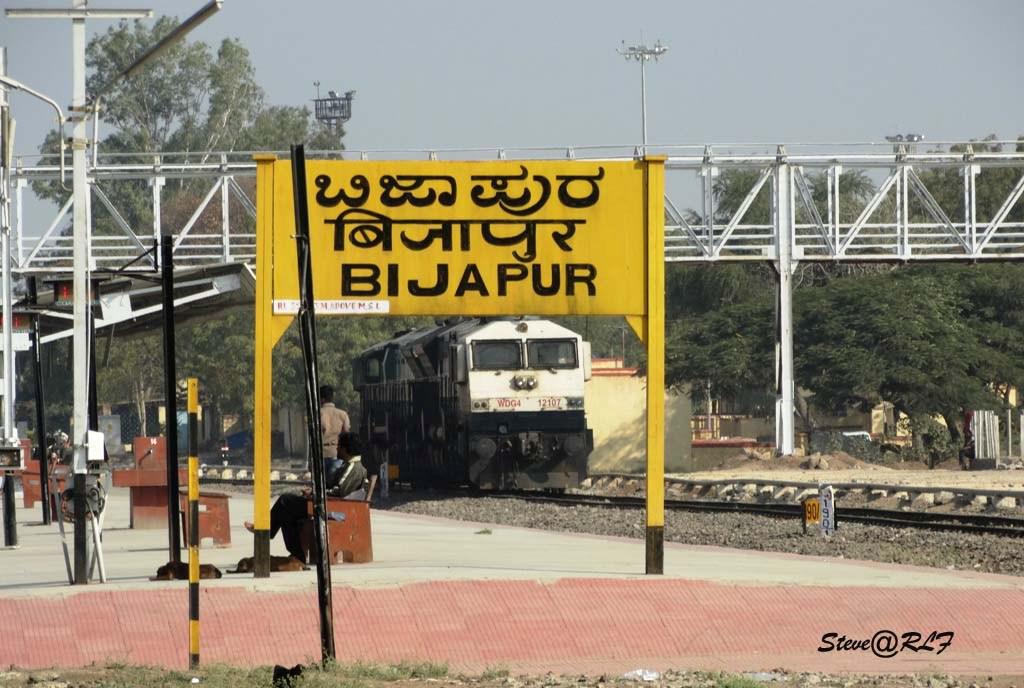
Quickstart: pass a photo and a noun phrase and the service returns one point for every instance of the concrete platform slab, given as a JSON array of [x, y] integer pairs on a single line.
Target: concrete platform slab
[[526, 600]]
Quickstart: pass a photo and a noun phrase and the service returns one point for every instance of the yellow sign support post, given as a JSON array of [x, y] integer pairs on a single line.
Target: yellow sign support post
[[193, 522], [654, 338], [575, 237]]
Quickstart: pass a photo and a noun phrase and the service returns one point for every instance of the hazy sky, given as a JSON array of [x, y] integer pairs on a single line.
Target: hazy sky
[[529, 73]]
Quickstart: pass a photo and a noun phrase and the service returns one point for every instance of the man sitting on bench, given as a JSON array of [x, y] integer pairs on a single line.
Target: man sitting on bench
[[345, 478]]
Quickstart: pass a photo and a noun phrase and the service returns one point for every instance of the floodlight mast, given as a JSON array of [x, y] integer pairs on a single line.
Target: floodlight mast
[[642, 53], [80, 108]]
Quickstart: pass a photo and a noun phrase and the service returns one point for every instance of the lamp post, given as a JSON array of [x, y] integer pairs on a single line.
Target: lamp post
[[79, 113], [642, 53]]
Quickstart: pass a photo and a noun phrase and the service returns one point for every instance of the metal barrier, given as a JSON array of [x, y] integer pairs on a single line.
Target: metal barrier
[[989, 431]]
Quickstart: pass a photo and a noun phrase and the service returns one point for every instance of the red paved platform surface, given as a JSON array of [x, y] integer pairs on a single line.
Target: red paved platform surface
[[571, 626]]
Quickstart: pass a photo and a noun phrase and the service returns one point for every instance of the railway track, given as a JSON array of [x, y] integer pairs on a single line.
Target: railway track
[[760, 485], [949, 522]]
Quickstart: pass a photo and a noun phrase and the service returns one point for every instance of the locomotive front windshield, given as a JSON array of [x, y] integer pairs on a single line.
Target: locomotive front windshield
[[551, 353], [497, 355]]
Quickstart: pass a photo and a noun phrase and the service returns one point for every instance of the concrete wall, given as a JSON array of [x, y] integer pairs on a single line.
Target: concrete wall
[[616, 412], [755, 428], [290, 421]]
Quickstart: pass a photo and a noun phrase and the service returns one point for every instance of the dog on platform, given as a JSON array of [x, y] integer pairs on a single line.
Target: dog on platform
[[247, 564], [178, 570]]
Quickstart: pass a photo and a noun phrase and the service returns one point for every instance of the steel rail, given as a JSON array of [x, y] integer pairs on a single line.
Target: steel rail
[[841, 486], [978, 524]]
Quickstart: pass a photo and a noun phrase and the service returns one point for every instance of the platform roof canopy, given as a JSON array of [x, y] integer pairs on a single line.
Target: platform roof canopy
[[132, 303]]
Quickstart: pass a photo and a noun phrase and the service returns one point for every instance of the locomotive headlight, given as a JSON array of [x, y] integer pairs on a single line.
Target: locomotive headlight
[[481, 404], [524, 382]]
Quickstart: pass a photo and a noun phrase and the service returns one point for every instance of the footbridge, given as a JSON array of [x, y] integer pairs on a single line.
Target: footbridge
[[206, 202]]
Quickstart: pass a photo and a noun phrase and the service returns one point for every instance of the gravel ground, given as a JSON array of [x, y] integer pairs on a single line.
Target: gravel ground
[[987, 553], [398, 676]]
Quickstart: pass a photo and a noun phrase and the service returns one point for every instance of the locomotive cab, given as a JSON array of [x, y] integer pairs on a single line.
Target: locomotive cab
[[524, 402], [497, 403]]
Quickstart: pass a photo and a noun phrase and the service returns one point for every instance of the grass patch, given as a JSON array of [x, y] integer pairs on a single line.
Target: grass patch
[[485, 531], [119, 675], [387, 672], [737, 682], [492, 673]]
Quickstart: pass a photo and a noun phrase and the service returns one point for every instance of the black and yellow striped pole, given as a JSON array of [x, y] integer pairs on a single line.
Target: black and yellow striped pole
[[193, 523]]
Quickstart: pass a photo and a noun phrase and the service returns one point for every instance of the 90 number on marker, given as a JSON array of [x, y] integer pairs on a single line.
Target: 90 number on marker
[[812, 511]]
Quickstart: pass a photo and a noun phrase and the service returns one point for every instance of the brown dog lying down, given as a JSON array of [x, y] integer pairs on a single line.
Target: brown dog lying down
[[245, 564], [179, 571]]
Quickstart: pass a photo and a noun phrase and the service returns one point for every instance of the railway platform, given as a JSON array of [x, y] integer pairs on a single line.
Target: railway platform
[[479, 596]]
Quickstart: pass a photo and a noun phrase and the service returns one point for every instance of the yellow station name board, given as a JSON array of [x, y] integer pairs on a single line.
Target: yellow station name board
[[486, 238]]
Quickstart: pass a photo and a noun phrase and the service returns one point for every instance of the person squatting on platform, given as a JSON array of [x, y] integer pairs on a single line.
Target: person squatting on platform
[[345, 477]]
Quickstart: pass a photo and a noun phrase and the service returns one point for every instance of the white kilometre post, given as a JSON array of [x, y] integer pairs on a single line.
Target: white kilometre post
[[80, 232], [783, 215], [9, 431]]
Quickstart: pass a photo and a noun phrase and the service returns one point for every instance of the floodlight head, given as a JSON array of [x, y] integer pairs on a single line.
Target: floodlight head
[[642, 53]]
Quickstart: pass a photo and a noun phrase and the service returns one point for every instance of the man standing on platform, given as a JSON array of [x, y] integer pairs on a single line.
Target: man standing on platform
[[333, 422]]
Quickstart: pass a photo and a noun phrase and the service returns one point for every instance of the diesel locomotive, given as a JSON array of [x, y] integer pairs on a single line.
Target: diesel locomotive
[[496, 403]]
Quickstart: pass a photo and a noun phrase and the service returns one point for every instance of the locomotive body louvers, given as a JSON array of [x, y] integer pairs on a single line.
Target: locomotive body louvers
[[497, 403]]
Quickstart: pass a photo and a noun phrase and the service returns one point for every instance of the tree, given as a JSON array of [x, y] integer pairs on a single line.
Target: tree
[[731, 348], [194, 101], [133, 373], [186, 100], [720, 328], [929, 340]]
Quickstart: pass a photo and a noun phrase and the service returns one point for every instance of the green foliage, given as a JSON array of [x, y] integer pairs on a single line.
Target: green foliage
[[219, 353], [609, 337], [133, 372], [339, 340], [402, 671], [118, 675], [278, 127], [723, 681], [692, 291], [930, 340], [192, 100], [57, 386], [731, 347]]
